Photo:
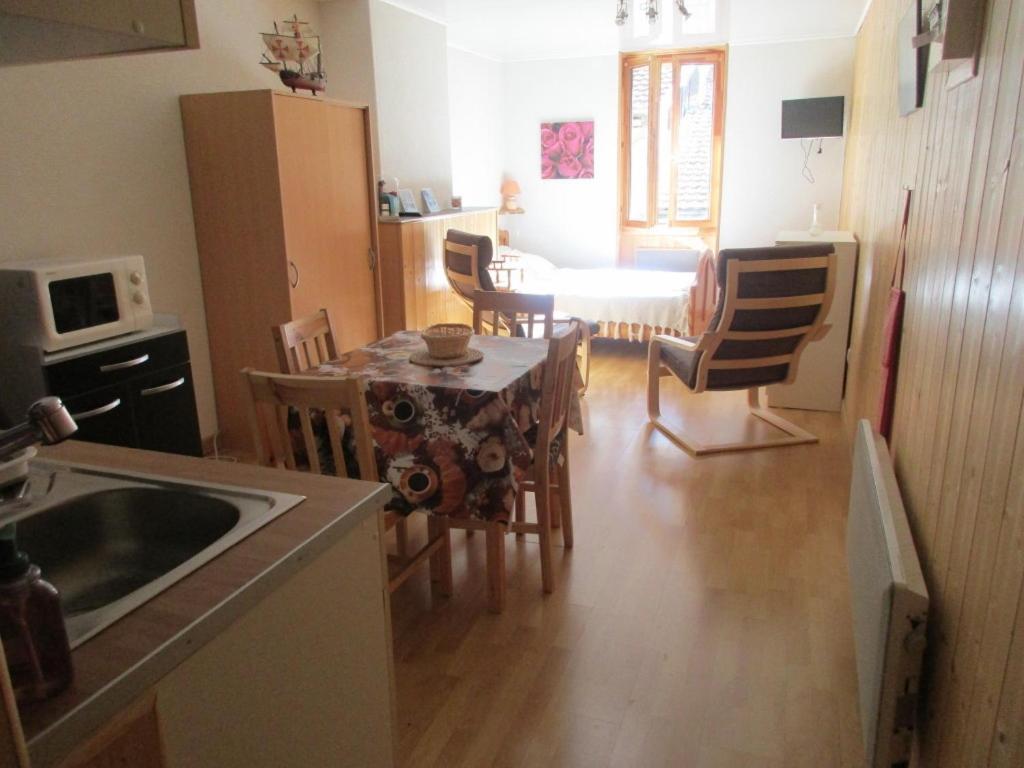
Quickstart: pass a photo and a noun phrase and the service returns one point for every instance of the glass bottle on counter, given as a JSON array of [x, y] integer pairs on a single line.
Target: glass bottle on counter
[[32, 628]]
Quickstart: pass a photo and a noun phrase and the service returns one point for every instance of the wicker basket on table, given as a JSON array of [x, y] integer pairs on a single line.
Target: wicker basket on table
[[447, 340]]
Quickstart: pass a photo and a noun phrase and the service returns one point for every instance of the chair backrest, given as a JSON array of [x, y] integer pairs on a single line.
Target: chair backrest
[[323, 404], [772, 303], [466, 258], [557, 388], [521, 314], [305, 343]]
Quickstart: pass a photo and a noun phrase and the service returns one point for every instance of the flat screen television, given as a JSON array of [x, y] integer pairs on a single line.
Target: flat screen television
[[812, 118]]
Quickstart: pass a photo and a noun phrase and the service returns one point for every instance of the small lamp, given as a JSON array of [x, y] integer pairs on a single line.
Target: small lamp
[[510, 197]]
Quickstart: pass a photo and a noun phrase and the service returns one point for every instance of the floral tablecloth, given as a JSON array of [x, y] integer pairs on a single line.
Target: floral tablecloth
[[452, 441]]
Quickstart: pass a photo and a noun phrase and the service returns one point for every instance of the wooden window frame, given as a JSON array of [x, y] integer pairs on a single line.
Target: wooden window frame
[[635, 232]]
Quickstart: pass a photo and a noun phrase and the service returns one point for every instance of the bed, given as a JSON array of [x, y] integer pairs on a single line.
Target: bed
[[626, 303]]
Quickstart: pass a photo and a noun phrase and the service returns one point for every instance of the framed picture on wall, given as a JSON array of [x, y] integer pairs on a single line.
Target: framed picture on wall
[[912, 62], [567, 150]]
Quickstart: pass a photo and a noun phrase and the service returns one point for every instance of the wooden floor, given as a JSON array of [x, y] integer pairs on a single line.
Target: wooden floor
[[702, 618]]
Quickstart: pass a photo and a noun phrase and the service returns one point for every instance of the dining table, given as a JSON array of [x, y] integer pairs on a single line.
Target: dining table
[[453, 440]]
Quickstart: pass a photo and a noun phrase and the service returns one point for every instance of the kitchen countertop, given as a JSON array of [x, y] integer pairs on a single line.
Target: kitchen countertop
[[123, 661]]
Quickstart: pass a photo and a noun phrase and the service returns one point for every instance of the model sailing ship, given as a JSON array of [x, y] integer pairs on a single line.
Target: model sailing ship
[[295, 57]]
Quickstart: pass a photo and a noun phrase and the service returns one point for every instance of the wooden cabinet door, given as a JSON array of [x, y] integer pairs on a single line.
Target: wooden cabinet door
[[325, 200], [356, 214], [132, 738]]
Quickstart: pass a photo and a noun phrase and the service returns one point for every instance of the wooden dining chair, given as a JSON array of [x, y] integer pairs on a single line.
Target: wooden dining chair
[[543, 479], [333, 405], [517, 314], [773, 303], [305, 343]]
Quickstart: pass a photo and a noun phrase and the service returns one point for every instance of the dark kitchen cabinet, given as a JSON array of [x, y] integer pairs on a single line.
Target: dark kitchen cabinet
[[138, 393], [161, 400], [104, 416]]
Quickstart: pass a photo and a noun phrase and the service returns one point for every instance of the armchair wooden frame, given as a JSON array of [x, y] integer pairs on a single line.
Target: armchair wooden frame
[[710, 341], [272, 394]]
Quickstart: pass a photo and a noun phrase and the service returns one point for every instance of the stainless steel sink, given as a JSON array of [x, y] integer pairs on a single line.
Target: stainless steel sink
[[109, 541]]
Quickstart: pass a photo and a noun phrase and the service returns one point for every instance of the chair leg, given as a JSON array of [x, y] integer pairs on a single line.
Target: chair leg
[[438, 526], [585, 346], [554, 507], [520, 510], [565, 495], [495, 534], [543, 496], [653, 380], [402, 538]]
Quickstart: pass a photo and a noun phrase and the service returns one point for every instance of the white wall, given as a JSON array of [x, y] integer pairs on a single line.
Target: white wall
[[410, 55], [763, 190], [572, 222], [93, 157], [476, 88], [348, 57]]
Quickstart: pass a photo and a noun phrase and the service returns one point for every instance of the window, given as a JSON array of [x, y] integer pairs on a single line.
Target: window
[[672, 119]]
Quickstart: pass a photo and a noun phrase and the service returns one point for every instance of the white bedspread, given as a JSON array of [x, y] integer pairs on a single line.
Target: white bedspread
[[657, 299]]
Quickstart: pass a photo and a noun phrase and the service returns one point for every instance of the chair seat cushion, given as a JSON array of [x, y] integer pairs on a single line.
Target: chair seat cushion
[[682, 362]]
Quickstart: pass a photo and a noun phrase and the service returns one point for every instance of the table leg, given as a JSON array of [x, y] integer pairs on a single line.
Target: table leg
[[441, 561], [495, 567]]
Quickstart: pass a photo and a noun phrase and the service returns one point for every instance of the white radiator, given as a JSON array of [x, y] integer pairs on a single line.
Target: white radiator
[[667, 259], [890, 604]]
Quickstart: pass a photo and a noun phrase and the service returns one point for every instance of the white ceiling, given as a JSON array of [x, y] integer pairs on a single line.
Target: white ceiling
[[513, 30]]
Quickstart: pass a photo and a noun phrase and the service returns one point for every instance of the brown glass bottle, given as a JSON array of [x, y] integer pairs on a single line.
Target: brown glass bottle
[[31, 626]]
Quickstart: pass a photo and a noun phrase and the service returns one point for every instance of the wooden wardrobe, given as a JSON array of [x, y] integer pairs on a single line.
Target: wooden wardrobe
[[285, 217]]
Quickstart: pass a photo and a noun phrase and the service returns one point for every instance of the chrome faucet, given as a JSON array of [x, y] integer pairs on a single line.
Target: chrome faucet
[[48, 422]]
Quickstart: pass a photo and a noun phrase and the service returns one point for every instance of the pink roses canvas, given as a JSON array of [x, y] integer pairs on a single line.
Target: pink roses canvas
[[567, 150]]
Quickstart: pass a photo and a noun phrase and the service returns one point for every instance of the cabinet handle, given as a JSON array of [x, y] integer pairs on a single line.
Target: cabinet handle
[[295, 271], [97, 411], [163, 387], [373, 259], [124, 364]]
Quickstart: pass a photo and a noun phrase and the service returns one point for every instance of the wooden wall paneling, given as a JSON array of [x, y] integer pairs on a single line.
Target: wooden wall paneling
[[1007, 742], [414, 288], [993, 592], [962, 524], [958, 437], [996, 404]]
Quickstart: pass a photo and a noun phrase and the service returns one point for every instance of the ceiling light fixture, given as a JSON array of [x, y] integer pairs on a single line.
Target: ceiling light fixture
[[648, 8], [622, 14]]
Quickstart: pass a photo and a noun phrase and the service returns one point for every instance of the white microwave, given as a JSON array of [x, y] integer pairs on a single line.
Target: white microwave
[[59, 304]]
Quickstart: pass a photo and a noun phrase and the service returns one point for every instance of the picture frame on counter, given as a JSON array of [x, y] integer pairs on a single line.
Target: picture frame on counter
[[407, 203], [429, 200]]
